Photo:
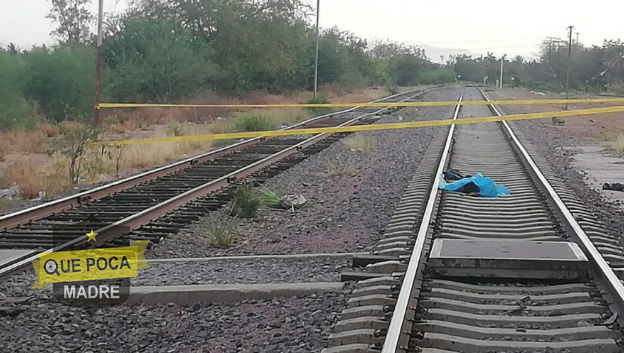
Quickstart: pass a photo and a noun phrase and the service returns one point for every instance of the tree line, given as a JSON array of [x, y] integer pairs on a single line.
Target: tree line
[[592, 68], [173, 50]]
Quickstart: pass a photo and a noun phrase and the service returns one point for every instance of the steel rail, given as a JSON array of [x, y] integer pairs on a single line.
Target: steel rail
[[34, 213], [133, 222], [613, 283], [395, 337]]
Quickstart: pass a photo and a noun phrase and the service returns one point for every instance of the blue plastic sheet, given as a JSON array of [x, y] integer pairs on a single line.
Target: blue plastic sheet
[[487, 186]]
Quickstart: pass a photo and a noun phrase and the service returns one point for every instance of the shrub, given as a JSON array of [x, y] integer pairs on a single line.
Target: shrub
[[222, 230], [437, 76], [320, 99], [270, 198], [246, 202], [253, 122]]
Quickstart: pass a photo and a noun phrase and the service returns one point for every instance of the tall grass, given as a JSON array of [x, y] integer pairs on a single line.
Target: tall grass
[[618, 144], [254, 122], [222, 230]]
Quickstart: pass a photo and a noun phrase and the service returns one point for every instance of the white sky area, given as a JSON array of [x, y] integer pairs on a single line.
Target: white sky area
[[501, 27]]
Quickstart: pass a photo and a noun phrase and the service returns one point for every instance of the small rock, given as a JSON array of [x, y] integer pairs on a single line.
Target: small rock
[[292, 201], [10, 311]]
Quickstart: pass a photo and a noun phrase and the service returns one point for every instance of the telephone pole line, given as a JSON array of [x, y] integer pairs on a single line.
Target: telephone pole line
[[316, 60], [98, 65], [569, 65]]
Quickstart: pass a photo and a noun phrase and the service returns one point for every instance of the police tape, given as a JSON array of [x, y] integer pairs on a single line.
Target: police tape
[[366, 105], [89, 265], [343, 129]]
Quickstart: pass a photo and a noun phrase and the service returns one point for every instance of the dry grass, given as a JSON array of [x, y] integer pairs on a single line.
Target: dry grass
[[360, 143], [618, 143], [149, 155], [221, 127], [335, 167], [48, 129], [34, 172], [30, 178], [20, 141], [142, 118]]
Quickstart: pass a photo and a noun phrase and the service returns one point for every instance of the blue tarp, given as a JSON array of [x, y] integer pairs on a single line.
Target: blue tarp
[[487, 186]]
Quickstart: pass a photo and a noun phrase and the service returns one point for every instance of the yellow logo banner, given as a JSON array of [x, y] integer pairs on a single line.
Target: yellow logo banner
[[88, 265]]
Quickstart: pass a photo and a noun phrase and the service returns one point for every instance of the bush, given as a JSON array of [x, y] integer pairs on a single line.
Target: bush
[[253, 122], [246, 203], [270, 198], [14, 109], [61, 80], [437, 76], [320, 99], [222, 230]]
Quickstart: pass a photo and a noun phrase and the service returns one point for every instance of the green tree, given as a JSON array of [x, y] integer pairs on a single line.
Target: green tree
[[14, 109], [62, 80], [150, 60], [72, 18]]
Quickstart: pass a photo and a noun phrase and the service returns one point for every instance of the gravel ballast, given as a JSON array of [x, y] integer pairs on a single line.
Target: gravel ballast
[[559, 151], [229, 272], [343, 213], [281, 325]]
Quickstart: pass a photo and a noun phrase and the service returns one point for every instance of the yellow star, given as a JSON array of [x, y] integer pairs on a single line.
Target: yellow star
[[91, 236]]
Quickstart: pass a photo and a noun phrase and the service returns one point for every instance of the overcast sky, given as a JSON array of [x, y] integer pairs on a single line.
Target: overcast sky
[[502, 27]]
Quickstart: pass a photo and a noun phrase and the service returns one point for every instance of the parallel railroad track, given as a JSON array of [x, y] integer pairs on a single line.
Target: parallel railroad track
[[415, 304], [157, 203]]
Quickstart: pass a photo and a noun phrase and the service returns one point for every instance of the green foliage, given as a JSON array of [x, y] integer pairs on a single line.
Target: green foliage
[[405, 69], [246, 202], [72, 19], [319, 99], [155, 60], [270, 198], [14, 109], [62, 80], [437, 76], [222, 230], [169, 51], [253, 122]]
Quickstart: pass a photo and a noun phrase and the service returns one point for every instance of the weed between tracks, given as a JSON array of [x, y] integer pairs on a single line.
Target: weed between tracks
[[336, 167], [360, 143], [246, 202], [270, 198], [222, 230]]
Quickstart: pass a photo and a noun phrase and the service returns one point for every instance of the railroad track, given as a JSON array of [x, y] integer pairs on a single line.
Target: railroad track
[[157, 203], [531, 272]]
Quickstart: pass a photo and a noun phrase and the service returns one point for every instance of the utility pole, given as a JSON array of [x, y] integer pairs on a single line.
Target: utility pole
[[98, 65], [577, 38], [316, 61], [501, 73], [558, 63], [569, 65]]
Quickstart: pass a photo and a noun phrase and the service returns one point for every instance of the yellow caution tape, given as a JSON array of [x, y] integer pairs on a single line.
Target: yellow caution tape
[[416, 124], [365, 105]]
